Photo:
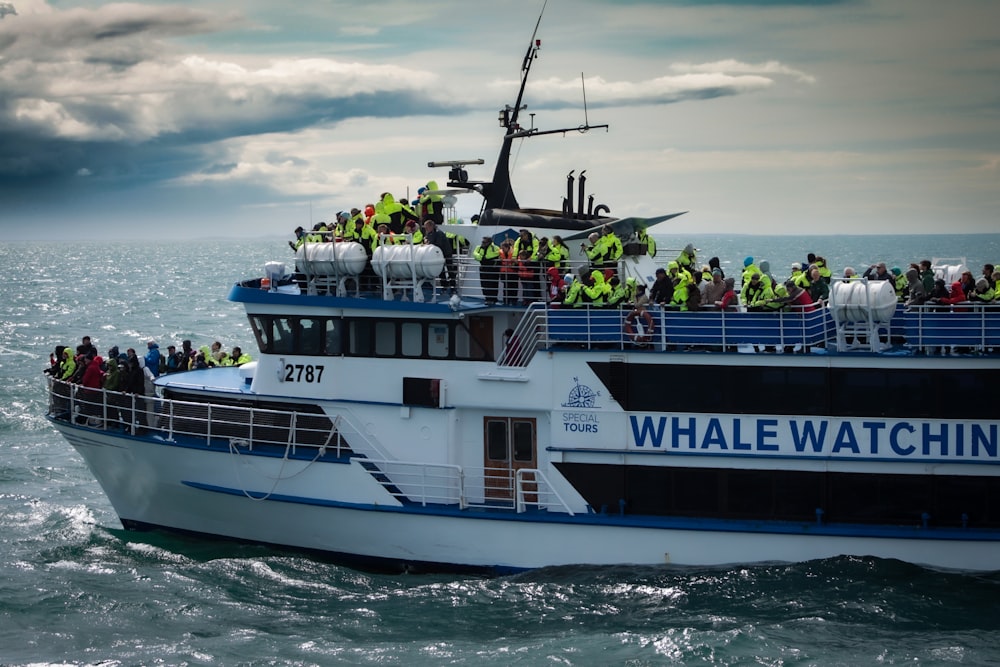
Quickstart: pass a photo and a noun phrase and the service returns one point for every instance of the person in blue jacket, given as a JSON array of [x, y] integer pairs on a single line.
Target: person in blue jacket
[[153, 358]]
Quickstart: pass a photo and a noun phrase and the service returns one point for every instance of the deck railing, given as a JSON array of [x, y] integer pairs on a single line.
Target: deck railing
[[442, 484], [243, 429], [195, 423], [926, 329]]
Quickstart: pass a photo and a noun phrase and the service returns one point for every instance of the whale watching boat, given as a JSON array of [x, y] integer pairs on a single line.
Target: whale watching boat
[[409, 412]]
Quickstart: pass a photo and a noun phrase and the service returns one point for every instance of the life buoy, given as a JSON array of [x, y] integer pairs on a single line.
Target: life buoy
[[639, 326]]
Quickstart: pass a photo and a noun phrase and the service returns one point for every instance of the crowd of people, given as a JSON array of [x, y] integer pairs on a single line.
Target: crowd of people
[[127, 371], [919, 285], [527, 268]]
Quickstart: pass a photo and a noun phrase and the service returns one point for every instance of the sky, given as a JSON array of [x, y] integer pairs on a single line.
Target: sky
[[245, 118]]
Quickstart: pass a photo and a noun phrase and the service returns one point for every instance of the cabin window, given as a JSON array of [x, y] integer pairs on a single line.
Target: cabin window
[[412, 339], [261, 327], [360, 339], [438, 340], [496, 440], [310, 336], [524, 440], [385, 339], [332, 335], [284, 337], [424, 392]]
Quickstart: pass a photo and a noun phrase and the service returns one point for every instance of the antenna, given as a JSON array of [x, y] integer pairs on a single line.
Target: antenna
[[583, 84]]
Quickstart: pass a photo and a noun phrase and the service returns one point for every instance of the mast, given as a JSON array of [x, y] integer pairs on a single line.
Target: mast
[[498, 193]]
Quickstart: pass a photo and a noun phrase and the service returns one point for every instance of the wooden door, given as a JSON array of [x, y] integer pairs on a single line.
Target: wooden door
[[509, 444]]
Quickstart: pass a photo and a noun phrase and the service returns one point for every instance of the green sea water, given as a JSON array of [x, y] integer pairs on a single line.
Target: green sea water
[[77, 589]]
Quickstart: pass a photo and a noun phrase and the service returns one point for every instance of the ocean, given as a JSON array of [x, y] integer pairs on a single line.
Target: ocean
[[75, 588]]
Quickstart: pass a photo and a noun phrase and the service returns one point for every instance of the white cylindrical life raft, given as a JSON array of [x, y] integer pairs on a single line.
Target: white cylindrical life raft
[[408, 261], [331, 259], [856, 300]]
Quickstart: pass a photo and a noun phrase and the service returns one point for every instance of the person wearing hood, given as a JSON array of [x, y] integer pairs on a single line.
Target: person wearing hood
[[68, 366], [431, 204], [749, 268], [112, 378], [557, 287], [598, 291], [93, 375], [613, 248], [915, 295], [983, 292], [686, 258], [398, 214], [152, 358], [765, 275], [682, 283], [955, 295], [574, 290]]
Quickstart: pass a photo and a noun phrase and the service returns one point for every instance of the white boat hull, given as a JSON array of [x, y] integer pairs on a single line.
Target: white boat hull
[[338, 508]]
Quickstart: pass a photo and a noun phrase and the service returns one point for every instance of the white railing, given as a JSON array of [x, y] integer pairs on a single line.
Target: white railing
[[195, 422], [443, 484]]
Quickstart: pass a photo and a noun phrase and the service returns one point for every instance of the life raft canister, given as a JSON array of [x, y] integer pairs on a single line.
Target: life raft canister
[[639, 326]]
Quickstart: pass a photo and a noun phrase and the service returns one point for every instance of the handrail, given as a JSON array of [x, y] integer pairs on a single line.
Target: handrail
[[547, 491], [196, 422], [795, 329]]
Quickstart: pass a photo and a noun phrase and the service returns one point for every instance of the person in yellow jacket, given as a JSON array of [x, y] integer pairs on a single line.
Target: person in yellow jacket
[[686, 258], [749, 268], [757, 293], [682, 282], [526, 241], [487, 253], [982, 293], [642, 236], [68, 367], [598, 291], [574, 291], [558, 254], [237, 358], [613, 245], [431, 203], [596, 251], [300, 238], [824, 271], [411, 228]]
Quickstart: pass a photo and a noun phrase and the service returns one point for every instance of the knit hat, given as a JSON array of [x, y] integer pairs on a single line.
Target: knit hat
[[747, 261]]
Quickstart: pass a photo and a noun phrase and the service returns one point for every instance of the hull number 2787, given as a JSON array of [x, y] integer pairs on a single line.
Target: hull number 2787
[[303, 373]]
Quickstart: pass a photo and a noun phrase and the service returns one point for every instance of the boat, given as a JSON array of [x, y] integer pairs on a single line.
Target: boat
[[397, 421]]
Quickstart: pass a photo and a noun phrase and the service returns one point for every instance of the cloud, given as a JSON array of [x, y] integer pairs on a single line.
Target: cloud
[[727, 67], [554, 93]]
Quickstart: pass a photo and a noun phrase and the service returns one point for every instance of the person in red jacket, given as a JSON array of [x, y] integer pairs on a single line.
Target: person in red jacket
[[799, 299]]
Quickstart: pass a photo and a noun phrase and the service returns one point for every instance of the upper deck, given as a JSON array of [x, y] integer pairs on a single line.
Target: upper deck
[[857, 319]]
